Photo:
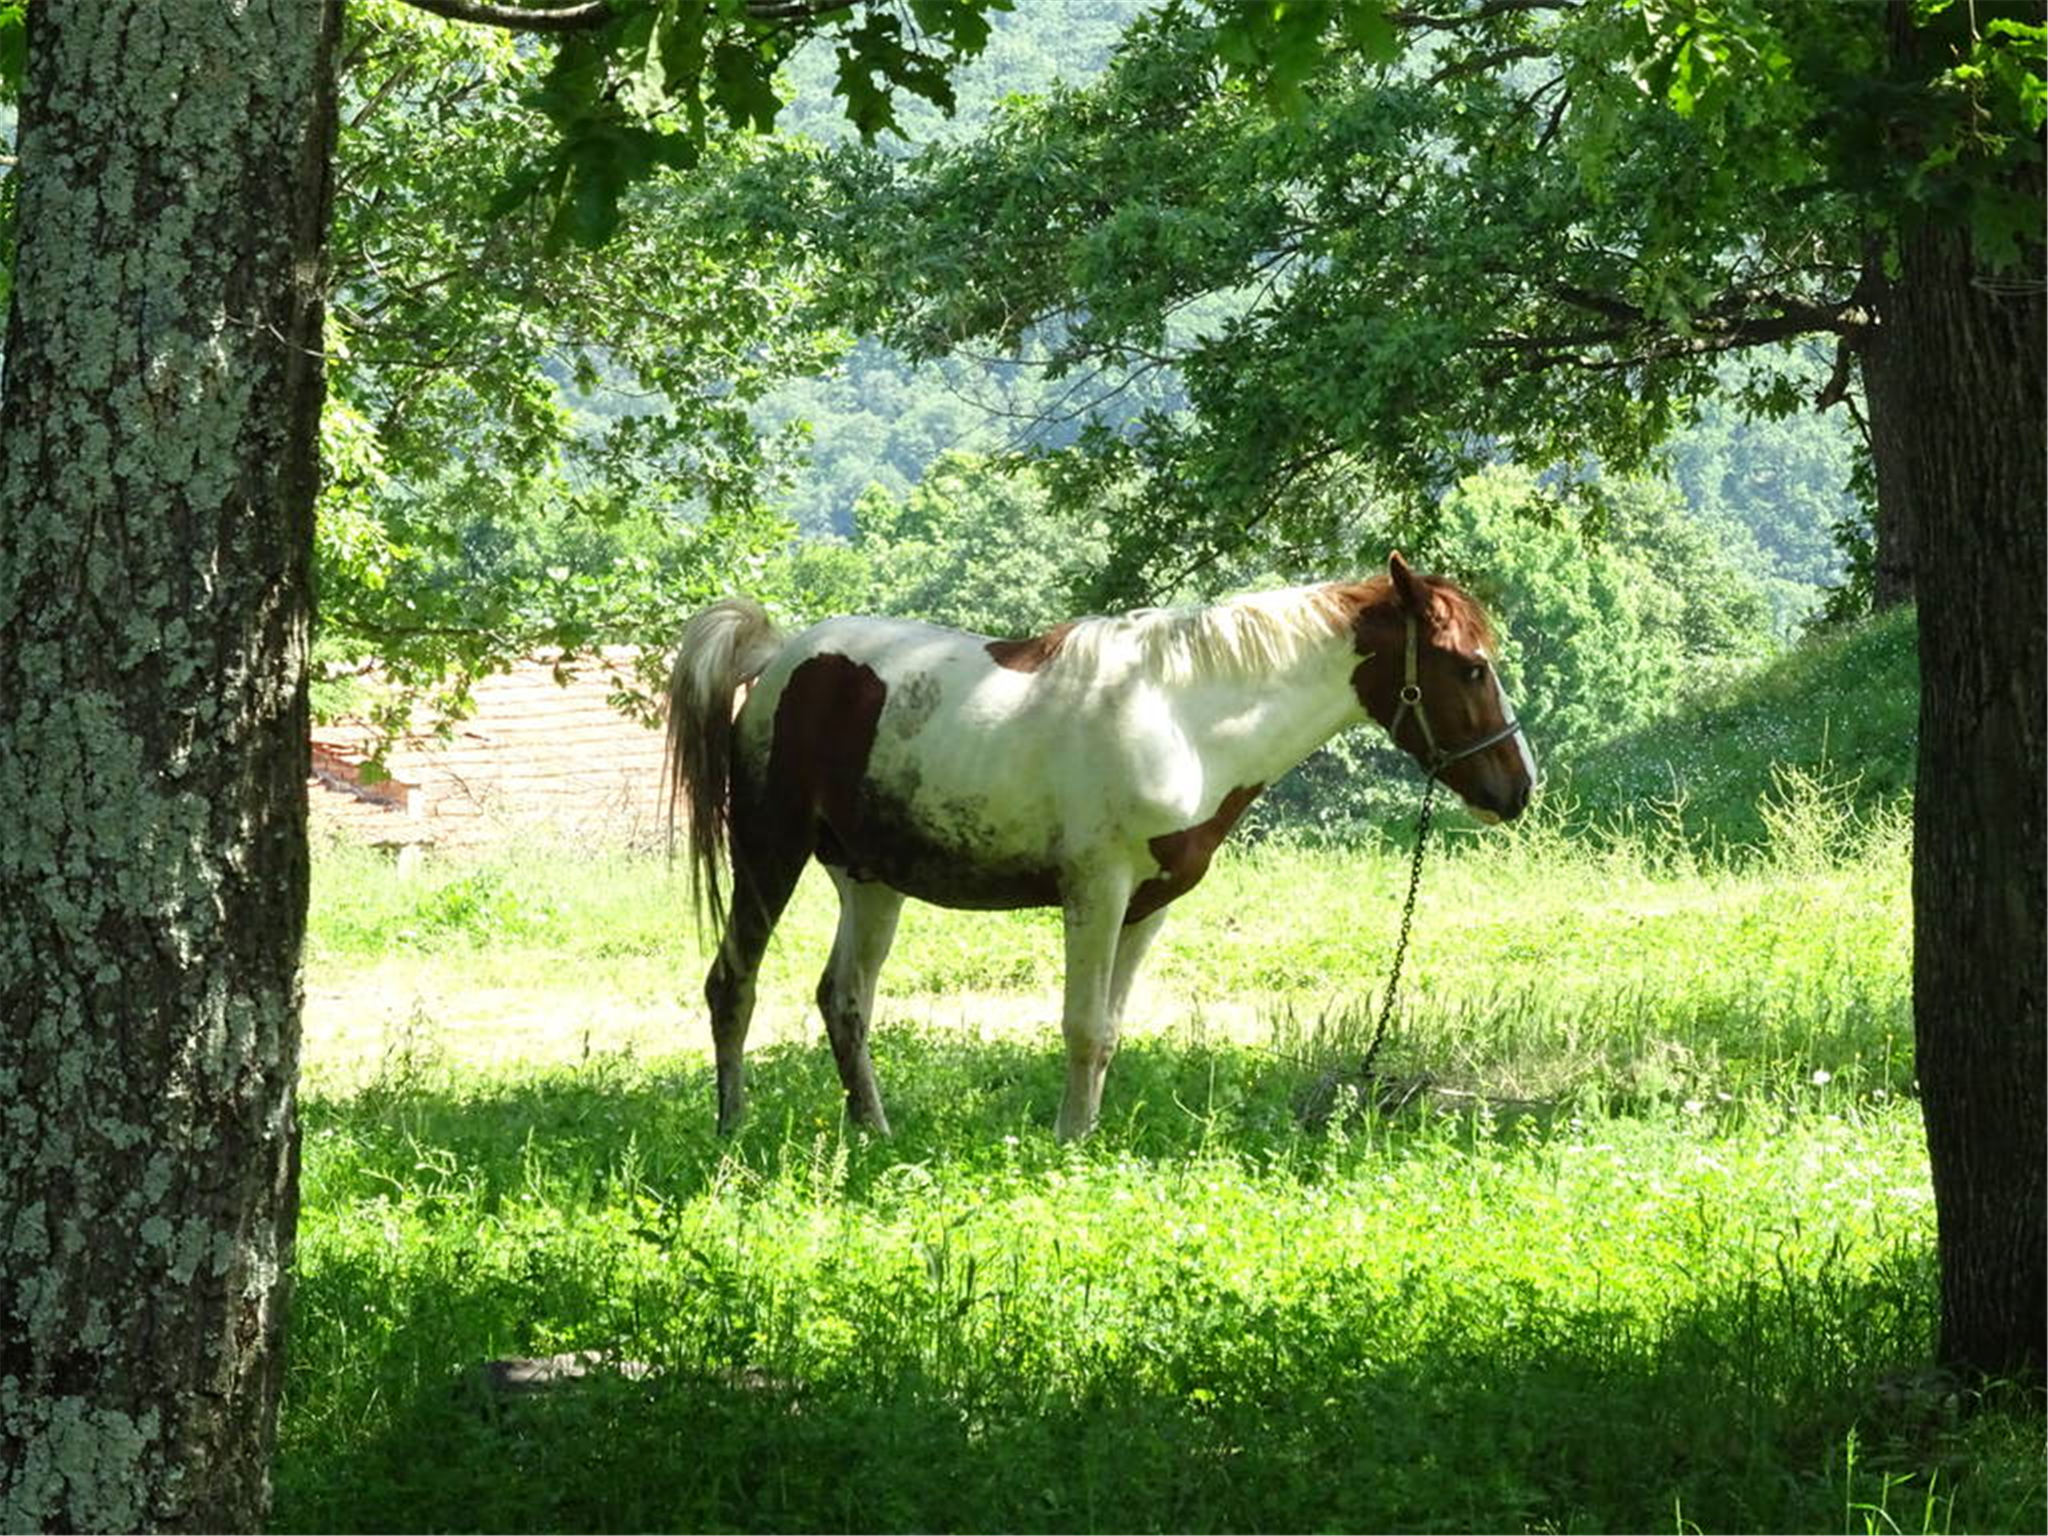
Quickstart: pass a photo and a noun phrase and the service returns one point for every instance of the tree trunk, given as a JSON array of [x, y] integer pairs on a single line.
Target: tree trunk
[[1887, 396], [158, 448], [1974, 352]]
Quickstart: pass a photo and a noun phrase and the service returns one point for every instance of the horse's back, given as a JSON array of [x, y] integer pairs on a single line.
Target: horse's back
[[931, 763]]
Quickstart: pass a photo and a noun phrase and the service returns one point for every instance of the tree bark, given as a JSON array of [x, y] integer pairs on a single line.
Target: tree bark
[[1887, 396], [1972, 343], [158, 465]]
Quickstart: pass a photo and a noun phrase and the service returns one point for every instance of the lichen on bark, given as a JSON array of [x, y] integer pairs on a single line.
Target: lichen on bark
[[157, 473]]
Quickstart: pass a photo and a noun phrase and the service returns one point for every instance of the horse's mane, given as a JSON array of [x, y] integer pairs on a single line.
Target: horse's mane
[[1257, 632]]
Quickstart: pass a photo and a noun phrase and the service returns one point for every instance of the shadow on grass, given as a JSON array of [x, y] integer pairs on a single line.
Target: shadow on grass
[[1305, 1415], [1193, 1402]]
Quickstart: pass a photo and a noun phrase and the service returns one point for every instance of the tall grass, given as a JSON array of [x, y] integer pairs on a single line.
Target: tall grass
[[1654, 1250], [1843, 705]]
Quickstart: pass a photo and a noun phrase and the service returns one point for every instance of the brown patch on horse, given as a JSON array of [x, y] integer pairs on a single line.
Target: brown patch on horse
[[825, 726], [1031, 654], [1184, 856]]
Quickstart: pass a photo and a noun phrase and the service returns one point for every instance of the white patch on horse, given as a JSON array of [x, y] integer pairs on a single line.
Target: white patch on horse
[[1508, 717]]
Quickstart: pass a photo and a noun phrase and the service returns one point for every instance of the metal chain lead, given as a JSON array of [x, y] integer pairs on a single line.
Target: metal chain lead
[[1379, 1033]]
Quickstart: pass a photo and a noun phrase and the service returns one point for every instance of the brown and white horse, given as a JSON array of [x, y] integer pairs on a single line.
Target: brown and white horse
[[1095, 768]]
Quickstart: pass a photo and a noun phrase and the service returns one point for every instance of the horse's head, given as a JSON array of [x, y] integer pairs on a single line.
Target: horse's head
[[1428, 676]]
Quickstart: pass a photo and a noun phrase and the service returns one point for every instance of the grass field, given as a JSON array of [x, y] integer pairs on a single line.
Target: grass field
[[1651, 1248]]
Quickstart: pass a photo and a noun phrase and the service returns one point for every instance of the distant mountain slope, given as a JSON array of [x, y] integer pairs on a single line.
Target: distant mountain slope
[[1844, 707]]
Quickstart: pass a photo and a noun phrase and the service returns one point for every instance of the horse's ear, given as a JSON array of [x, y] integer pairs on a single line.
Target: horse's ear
[[1414, 595]]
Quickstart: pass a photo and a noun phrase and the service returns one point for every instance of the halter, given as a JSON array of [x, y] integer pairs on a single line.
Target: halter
[[1411, 699], [1439, 759]]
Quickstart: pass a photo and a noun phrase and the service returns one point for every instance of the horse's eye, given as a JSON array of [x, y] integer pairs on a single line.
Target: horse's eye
[[1476, 672]]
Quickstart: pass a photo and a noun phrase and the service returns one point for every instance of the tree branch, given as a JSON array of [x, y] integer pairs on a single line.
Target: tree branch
[[1731, 319], [1536, 353], [1425, 22], [521, 18], [795, 10], [1484, 63], [1840, 377]]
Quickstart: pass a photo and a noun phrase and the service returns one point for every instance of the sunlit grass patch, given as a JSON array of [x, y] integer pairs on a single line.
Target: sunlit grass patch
[[1528, 944], [1842, 705], [1207, 1318], [1650, 1249]]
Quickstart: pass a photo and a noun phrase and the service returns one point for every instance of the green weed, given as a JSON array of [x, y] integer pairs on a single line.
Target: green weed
[[1843, 704]]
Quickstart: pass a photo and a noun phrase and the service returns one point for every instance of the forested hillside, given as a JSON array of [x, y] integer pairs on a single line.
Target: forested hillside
[[1775, 491]]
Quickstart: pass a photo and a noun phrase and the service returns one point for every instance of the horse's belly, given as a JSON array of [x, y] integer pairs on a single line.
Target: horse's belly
[[953, 855]]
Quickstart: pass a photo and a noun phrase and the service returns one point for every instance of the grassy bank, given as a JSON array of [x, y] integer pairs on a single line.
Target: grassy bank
[[1840, 708], [1651, 1250]]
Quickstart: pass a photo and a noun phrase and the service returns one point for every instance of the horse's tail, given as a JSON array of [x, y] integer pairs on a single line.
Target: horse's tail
[[721, 649]]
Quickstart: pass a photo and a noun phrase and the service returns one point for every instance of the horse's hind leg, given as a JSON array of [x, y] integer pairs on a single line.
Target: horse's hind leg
[[763, 878], [846, 992], [1131, 943]]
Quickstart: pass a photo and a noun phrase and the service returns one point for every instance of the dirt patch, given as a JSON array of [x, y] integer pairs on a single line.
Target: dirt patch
[[381, 1016]]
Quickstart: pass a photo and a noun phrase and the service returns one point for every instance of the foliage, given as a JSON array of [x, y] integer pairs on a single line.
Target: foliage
[[880, 417], [645, 86], [1786, 488], [876, 419], [1534, 239], [972, 547], [1356, 328], [1601, 636], [1970, 128], [1029, 49], [526, 447], [530, 446]]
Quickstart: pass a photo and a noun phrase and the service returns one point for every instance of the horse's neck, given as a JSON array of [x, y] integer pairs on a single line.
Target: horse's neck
[[1252, 729]]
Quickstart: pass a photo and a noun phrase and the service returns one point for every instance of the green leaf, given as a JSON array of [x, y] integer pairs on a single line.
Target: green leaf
[[743, 85], [1370, 30], [13, 48]]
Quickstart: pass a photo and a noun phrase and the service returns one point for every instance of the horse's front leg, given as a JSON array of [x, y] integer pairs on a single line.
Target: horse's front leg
[[1094, 911]]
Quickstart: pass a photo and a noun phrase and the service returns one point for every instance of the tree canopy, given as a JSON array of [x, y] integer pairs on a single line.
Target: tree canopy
[[1544, 233], [528, 444]]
